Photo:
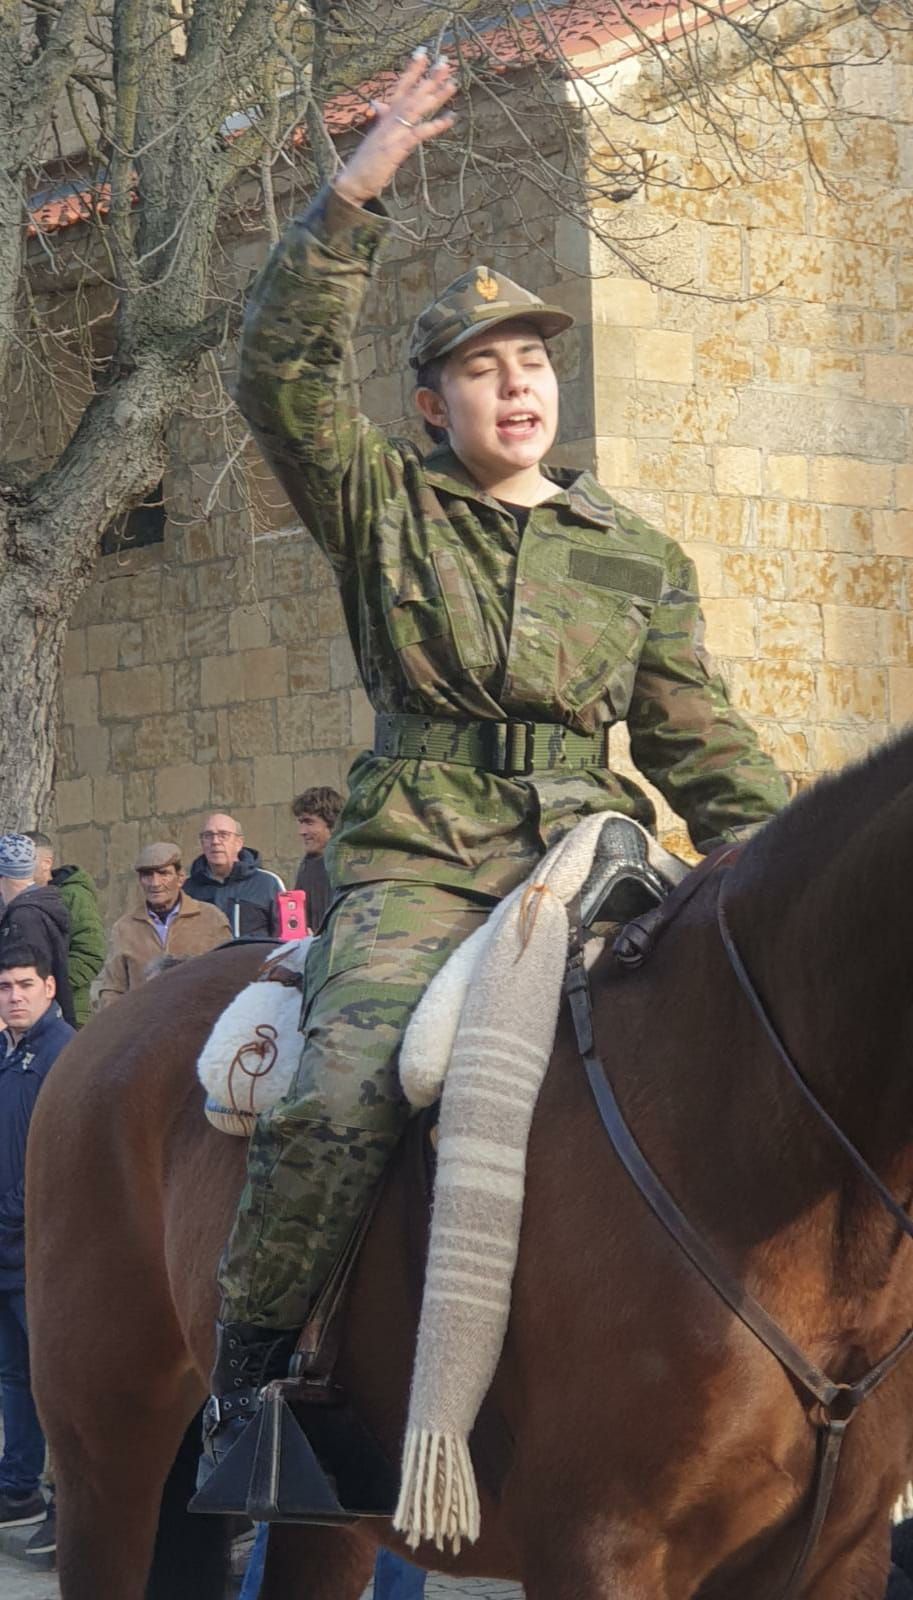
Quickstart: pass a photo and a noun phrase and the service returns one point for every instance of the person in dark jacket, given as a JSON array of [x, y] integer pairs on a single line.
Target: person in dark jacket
[[34, 915], [87, 931], [229, 876], [34, 1036], [316, 812]]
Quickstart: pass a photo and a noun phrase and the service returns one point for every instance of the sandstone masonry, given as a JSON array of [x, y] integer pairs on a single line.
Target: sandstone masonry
[[751, 395]]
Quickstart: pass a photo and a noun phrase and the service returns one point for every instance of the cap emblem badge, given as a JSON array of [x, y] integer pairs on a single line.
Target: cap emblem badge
[[487, 286]]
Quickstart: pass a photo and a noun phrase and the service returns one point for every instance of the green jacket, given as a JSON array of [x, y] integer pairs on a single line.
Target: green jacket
[[591, 618], [87, 934]]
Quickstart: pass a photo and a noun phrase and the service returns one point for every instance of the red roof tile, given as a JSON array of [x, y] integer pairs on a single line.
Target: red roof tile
[[577, 30]]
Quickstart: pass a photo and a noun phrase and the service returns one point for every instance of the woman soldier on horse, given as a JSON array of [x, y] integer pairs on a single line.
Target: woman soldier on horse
[[504, 615]]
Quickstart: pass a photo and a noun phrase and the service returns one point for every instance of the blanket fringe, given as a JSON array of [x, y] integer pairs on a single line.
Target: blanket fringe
[[438, 1498]]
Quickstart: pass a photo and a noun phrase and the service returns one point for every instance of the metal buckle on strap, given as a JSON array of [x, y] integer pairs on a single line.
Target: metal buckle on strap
[[212, 1413], [519, 746]]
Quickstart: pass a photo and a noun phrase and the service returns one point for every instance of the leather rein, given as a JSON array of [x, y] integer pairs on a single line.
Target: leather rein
[[833, 1404]]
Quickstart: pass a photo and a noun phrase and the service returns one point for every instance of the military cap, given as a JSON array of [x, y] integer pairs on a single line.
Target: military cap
[[162, 854], [479, 299]]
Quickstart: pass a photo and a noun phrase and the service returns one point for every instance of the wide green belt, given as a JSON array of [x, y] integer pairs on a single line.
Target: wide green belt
[[513, 749]]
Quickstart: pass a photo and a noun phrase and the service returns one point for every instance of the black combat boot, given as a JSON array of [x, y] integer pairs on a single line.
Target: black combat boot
[[247, 1358]]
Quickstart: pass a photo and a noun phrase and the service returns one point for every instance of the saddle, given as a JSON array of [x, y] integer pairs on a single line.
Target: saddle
[[249, 1059], [308, 1457], [623, 883]]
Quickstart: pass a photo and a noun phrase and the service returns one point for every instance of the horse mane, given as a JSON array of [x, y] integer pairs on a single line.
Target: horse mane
[[821, 900], [807, 836]]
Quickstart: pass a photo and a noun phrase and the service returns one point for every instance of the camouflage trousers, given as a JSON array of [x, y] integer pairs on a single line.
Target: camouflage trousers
[[316, 1156]]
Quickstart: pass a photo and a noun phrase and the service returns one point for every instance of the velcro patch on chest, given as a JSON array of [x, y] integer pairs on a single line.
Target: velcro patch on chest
[[627, 574]]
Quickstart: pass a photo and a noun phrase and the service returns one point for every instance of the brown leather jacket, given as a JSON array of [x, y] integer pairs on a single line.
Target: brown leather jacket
[[135, 944]]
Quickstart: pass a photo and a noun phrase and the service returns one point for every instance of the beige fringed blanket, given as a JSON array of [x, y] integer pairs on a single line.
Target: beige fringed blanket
[[481, 1038]]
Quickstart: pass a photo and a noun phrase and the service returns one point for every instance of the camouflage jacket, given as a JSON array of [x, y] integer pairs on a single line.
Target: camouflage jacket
[[591, 617]]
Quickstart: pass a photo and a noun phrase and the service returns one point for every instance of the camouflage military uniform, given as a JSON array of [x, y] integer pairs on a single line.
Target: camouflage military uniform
[[316, 1156], [497, 663]]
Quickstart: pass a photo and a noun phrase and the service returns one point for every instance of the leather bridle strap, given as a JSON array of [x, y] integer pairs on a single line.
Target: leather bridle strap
[[737, 1297], [754, 999], [837, 1402]]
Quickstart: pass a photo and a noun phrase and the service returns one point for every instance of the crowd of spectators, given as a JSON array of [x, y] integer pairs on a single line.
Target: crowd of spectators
[[56, 967]]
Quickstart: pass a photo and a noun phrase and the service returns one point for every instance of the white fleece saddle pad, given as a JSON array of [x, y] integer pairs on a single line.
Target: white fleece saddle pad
[[248, 1062]]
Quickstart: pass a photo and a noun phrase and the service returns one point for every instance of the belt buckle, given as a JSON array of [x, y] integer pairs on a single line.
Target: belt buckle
[[212, 1413], [511, 769]]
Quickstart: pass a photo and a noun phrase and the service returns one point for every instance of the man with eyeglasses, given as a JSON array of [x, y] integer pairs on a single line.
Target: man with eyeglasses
[[228, 874]]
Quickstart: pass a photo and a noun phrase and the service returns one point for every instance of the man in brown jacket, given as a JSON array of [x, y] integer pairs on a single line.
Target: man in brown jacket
[[167, 923]]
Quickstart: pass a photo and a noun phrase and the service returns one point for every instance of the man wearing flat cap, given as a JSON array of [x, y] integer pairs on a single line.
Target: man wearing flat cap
[[167, 923], [504, 615]]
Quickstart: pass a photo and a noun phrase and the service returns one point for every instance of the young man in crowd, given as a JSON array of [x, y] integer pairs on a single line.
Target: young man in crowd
[[315, 811], [34, 914], [35, 1033], [229, 875], [167, 923], [86, 950]]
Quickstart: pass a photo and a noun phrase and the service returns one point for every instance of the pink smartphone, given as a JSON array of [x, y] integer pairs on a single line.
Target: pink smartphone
[[293, 914]]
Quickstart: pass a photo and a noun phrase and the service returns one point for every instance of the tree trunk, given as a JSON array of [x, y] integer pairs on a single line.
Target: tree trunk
[[29, 693], [49, 537]]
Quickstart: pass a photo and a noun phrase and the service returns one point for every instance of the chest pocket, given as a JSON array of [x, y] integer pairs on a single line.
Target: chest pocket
[[438, 601], [614, 599], [474, 646], [414, 609]]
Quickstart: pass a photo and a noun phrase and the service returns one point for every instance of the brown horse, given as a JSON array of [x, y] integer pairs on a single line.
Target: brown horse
[[658, 1449]]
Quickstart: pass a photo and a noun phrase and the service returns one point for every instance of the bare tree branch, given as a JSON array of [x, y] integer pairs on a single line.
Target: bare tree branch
[[127, 36], [47, 75]]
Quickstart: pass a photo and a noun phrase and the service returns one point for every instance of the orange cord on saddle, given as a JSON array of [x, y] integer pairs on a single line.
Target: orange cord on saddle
[[265, 1053], [528, 912]]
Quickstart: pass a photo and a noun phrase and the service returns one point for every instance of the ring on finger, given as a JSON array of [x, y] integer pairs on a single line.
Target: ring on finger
[[404, 121]]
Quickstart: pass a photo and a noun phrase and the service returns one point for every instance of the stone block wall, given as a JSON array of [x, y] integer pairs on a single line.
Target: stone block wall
[[750, 394], [205, 693], [760, 409]]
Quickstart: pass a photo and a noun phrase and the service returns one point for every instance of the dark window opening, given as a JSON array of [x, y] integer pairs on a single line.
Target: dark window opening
[[145, 524]]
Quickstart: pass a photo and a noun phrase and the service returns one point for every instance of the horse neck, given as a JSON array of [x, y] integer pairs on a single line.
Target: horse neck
[[829, 956]]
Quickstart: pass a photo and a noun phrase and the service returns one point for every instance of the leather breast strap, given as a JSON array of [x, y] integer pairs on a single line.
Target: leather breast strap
[[836, 1403]]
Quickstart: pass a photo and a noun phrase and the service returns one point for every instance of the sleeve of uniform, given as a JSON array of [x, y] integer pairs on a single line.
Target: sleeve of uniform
[[685, 735], [293, 383]]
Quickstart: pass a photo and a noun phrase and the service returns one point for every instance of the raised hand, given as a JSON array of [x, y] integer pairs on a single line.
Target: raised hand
[[411, 116]]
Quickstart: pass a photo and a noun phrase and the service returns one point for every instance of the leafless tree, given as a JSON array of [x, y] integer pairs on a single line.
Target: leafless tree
[[170, 122]]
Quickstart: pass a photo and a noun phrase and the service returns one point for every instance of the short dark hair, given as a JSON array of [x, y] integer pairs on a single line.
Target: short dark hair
[[319, 802], [22, 955], [40, 840], [428, 376]]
